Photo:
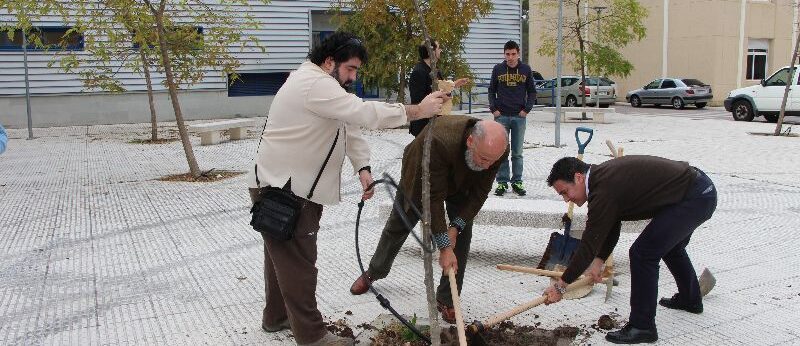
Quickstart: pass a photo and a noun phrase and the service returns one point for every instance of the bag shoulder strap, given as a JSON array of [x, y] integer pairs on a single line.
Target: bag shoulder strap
[[335, 139], [260, 137]]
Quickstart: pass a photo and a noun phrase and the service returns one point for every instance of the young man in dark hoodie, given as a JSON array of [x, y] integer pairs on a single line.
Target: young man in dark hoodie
[[512, 94]]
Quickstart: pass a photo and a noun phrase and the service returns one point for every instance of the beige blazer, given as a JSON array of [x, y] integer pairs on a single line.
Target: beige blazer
[[303, 119]]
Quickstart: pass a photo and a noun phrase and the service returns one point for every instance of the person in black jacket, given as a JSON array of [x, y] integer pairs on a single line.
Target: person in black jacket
[[676, 196], [419, 85], [512, 94]]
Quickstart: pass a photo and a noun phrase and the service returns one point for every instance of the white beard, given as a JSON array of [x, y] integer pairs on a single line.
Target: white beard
[[470, 163]]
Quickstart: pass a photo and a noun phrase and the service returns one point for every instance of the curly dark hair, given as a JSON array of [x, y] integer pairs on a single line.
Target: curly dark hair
[[422, 49], [565, 169], [342, 46]]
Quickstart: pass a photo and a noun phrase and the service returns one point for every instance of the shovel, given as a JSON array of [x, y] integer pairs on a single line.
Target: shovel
[[462, 338], [561, 246], [477, 327]]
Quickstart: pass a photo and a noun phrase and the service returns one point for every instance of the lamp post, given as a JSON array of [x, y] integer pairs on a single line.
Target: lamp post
[[27, 82], [598, 9], [559, 56]]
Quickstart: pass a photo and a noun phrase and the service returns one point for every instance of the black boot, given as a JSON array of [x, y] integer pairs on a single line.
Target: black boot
[[632, 335], [676, 303]]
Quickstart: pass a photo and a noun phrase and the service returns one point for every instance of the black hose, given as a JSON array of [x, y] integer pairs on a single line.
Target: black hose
[[385, 303]]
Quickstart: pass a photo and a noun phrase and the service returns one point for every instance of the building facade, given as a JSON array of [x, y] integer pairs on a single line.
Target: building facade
[[288, 30], [727, 44]]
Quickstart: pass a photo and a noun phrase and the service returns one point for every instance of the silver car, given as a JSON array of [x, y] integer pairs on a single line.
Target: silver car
[[677, 92], [572, 90]]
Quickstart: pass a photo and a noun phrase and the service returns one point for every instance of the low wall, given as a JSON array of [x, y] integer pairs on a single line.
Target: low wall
[[129, 107]]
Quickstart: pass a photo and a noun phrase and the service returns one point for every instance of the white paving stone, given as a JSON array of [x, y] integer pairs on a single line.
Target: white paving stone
[[95, 251]]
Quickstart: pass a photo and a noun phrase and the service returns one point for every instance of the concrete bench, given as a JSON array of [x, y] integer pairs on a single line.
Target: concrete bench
[[531, 213], [598, 114], [211, 133]]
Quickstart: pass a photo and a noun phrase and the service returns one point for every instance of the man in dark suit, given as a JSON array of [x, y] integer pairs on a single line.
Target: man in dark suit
[[465, 155], [678, 198]]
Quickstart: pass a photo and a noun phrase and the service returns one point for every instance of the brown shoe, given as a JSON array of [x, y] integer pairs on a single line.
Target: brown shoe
[[448, 312], [277, 327], [331, 340], [361, 285]]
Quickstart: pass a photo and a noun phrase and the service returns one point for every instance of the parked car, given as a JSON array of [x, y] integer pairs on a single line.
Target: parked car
[[677, 92], [572, 90], [765, 98]]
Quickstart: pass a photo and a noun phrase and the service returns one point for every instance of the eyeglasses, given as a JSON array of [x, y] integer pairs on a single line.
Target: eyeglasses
[[351, 42]]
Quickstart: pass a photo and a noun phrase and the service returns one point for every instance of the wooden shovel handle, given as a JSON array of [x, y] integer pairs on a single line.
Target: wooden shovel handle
[[552, 273], [513, 312], [529, 305], [462, 337], [529, 270]]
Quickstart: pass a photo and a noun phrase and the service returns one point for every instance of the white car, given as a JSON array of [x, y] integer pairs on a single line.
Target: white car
[[765, 98]]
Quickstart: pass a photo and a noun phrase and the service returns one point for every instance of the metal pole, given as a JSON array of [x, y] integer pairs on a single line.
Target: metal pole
[[559, 57], [741, 49], [27, 83], [597, 39], [665, 41]]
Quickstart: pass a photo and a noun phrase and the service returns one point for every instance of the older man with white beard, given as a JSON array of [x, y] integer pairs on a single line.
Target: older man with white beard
[[465, 155]]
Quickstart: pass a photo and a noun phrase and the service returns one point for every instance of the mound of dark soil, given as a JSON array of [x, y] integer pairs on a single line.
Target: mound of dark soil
[[504, 334]]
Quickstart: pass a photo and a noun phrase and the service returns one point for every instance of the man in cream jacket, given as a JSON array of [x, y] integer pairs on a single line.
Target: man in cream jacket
[[312, 113]]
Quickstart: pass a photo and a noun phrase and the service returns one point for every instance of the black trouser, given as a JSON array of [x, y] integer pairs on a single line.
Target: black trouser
[[666, 238], [394, 235]]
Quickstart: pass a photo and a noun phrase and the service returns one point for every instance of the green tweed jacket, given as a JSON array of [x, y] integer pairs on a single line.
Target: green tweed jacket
[[450, 176]]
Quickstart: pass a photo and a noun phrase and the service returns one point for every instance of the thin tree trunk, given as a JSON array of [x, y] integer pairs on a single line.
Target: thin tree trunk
[[789, 84], [173, 94], [582, 48], [401, 93], [153, 119], [433, 314]]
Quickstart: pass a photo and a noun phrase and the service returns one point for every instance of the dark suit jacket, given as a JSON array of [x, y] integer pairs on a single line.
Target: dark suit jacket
[[634, 187]]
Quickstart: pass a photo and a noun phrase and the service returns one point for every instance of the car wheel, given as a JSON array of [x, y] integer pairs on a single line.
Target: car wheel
[[700, 105], [772, 118], [742, 111], [636, 101], [677, 103], [572, 101]]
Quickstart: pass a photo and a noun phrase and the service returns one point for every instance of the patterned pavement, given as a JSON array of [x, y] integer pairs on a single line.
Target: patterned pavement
[[96, 251]]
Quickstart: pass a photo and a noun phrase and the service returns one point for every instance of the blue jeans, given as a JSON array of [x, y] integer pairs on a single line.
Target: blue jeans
[[515, 126]]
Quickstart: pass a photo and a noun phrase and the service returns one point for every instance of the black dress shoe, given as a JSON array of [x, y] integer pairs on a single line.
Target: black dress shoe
[[631, 335], [676, 303]]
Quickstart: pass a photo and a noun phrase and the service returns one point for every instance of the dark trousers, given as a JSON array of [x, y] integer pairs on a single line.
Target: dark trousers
[[394, 235], [290, 278], [666, 238]]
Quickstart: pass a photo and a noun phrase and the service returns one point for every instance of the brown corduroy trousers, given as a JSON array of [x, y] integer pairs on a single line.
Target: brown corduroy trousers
[[290, 275]]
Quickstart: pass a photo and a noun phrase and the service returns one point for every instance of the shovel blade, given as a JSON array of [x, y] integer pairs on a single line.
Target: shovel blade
[[559, 251], [707, 282]]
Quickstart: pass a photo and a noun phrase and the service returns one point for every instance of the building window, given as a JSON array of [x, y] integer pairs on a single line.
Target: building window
[[257, 84], [757, 51], [50, 37]]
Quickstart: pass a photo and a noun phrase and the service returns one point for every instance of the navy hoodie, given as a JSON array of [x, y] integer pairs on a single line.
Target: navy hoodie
[[511, 89]]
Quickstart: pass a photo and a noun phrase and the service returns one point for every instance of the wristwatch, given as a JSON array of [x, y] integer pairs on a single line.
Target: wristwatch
[[560, 288]]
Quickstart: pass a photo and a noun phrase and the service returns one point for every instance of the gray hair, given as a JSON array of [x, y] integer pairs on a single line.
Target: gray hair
[[479, 131]]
